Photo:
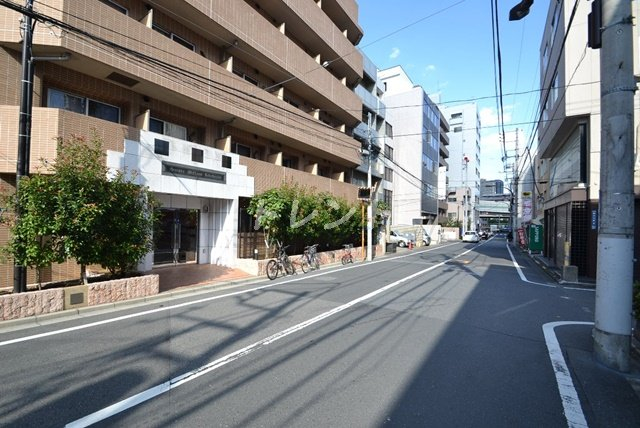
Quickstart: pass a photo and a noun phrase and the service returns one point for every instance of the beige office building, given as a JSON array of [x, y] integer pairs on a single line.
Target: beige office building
[[212, 102]]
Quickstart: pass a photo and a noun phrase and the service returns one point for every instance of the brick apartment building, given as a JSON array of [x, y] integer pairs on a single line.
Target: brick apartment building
[[242, 94]]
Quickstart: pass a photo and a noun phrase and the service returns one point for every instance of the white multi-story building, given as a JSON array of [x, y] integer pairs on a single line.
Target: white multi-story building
[[376, 130], [464, 155], [416, 135]]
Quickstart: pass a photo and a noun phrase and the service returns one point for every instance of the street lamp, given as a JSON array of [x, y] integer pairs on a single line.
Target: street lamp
[[520, 10]]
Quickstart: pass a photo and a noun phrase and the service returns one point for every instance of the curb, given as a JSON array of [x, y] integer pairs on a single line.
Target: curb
[[205, 287]]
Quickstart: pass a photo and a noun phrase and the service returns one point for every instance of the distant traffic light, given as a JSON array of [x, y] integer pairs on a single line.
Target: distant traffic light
[[364, 193]]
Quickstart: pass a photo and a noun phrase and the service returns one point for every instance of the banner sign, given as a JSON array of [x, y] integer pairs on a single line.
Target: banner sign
[[535, 238]]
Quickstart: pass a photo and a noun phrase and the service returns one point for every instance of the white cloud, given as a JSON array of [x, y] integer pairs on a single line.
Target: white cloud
[[431, 67], [489, 116], [395, 53]]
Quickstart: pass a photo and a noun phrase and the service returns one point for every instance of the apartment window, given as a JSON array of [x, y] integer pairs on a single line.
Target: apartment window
[[456, 116], [387, 196], [197, 155], [161, 147], [388, 152], [457, 129], [324, 172], [554, 23], [179, 40], [293, 103], [82, 105], [554, 89], [388, 129], [161, 30], [115, 6], [545, 56], [246, 77], [291, 162], [167, 128], [187, 44], [226, 161], [241, 149], [388, 174]]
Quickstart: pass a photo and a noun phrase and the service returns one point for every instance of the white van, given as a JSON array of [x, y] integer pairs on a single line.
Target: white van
[[414, 233], [396, 238]]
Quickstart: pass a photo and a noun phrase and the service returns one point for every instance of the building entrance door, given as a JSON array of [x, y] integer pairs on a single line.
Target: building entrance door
[[176, 236]]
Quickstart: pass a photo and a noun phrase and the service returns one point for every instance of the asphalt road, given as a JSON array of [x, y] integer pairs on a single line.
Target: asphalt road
[[447, 336]]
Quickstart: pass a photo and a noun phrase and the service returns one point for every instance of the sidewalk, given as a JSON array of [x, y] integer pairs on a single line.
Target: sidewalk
[[194, 275], [600, 384]]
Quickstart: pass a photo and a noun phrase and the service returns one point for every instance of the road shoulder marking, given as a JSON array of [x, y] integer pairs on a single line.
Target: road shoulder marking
[[568, 394]]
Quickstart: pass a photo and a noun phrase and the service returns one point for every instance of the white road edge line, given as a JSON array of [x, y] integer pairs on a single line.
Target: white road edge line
[[195, 302], [521, 274], [157, 390], [568, 394], [524, 278]]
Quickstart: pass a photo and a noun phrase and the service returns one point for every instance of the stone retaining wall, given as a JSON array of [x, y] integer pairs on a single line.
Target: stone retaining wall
[[33, 303], [123, 289], [14, 306]]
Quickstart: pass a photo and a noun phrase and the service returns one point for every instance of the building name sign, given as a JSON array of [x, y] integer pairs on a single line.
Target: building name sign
[[177, 170]]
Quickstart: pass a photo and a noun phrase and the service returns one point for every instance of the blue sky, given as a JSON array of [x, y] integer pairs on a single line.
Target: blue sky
[[447, 48]]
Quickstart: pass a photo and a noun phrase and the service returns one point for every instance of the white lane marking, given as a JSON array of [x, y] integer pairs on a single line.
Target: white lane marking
[[568, 394], [207, 299], [157, 390], [521, 274], [524, 278]]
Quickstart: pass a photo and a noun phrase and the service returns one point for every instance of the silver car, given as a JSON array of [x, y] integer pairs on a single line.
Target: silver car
[[396, 238], [471, 236]]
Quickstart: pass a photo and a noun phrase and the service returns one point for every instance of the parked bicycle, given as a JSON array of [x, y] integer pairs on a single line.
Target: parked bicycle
[[347, 257], [309, 258], [281, 265]]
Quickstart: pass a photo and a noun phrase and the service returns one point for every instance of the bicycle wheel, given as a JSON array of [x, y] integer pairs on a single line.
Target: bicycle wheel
[[289, 268], [345, 259], [272, 269], [304, 264], [315, 262]]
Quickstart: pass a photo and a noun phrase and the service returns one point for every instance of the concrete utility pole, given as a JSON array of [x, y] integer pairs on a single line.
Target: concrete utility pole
[[369, 185], [516, 178], [614, 280], [465, 167], [24, 136]]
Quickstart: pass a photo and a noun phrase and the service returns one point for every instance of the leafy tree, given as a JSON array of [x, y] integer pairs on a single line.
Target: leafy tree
[[77, 211], [125, 229], [80, 173], [298, 216], [33, 241]]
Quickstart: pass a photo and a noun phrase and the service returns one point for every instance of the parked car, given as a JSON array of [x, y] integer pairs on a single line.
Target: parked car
[[426, 239], [410, 231], [471, 236], [396, 238]]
